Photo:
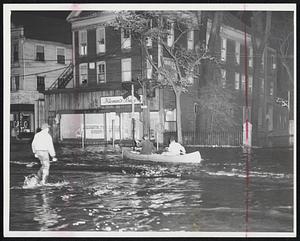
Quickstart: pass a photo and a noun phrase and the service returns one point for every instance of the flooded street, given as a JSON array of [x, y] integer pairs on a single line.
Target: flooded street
[[95, 190]]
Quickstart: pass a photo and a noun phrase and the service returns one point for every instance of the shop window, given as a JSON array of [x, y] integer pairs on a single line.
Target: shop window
[[83, 42], [237, 52], [100, 34], [60, 52], [40, 83], [83, 73], [40, 55], [237, 81], [101, 72], [223, 49], [170, 36], [126, 70], [16, 52], [190, 39], [125, 39], [149, 68]]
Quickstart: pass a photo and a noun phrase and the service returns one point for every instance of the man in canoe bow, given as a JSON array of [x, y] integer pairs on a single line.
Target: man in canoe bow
[[174, 148]]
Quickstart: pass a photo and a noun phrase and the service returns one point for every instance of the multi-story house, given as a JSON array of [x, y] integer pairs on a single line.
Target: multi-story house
[[105, 59], [37, 60]]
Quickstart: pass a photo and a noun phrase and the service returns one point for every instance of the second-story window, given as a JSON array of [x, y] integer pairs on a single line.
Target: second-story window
[[271, 88], [126, 70], [250, 56], [190, 39], [170, 36], [243, 82], [223, 78], [15, 83], [16, 52], [125, 39], [60, 52], [223, 48], [149, 39], [40, 83], [273, 61], [149, 68], [237, 81], [83, 73], [83, 42], [237, 52], [101, 70], [250, 83], [40, 55], [100, 33]]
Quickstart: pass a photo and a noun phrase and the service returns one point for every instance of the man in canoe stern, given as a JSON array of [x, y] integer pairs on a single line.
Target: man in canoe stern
[[147, 146], [174, 148]]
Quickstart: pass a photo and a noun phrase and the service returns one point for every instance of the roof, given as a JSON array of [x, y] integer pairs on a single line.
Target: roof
[[42, 28]]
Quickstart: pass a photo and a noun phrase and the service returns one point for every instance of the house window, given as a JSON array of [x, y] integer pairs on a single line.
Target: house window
[[243, 82], [148, 39], [170, 120], [126, 70], [237, 52], [15, 83], [83, 73], [246, 113], [190, 39], [271, 88], [60, 55], [16, 52], [83, 42], [149, 68], [250, 56], [125, 39], [223, 78], [250, 83], [100, 40], [40, 83], [170, 36], [223, 48], [101, 70], [40, 56], [273, 62], [237, 81], [262, 85]]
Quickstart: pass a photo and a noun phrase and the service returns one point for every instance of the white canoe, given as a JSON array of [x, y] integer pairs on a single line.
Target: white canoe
[[193, 157]]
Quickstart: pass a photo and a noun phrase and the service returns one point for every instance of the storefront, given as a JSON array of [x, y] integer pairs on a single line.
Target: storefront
[[22, 120]]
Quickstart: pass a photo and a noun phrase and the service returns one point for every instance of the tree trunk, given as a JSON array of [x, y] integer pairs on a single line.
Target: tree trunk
[[178, 116], [146, 112]]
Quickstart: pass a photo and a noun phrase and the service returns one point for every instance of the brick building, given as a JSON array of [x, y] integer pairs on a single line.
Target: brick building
[[106, 58], [37, 60]]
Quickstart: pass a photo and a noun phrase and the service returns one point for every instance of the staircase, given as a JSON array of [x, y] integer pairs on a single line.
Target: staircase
[[63, 79]]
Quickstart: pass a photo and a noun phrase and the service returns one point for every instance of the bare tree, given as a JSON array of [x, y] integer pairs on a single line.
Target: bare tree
[[175, 65]]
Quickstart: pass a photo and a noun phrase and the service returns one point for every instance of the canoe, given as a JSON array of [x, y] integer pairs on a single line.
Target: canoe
[[193, 157]]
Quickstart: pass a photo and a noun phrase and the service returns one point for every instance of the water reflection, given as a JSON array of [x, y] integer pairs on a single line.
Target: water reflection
[[44, 214]]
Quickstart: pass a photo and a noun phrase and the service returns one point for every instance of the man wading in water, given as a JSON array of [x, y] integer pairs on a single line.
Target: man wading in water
[[42, 146]]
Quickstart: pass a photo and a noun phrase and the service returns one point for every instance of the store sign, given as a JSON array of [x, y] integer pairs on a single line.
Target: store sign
[[119, 100]]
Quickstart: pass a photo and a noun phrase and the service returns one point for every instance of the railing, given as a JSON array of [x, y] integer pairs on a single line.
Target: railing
[[63, 79], [224, 138]]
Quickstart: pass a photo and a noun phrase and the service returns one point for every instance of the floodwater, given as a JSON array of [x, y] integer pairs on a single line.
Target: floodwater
[[95, 190]]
